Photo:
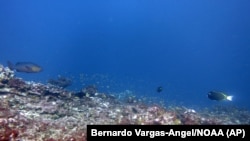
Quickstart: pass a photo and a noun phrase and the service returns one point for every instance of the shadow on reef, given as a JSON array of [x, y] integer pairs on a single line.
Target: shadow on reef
[[61, 81], [87, 91], [92, 91]]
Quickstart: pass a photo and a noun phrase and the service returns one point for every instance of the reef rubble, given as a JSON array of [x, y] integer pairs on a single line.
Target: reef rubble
[[34, 111]]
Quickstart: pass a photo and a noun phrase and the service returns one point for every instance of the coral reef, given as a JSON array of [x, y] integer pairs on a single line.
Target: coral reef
[[33, 111]]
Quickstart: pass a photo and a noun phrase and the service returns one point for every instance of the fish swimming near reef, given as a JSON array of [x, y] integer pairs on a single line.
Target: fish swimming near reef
[[159, 89], [27, 67], [219, 96]]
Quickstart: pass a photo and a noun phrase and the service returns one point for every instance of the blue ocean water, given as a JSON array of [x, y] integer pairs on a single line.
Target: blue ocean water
[[187, 47]]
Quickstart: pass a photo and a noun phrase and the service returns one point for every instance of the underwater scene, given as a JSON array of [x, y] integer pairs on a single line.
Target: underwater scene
[[68, 64]]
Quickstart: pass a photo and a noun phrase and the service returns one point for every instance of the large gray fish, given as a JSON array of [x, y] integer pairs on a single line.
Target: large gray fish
[[219, 96], [27, 67]]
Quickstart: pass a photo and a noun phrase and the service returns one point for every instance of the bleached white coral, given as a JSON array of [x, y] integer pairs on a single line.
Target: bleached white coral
[[5, 73]]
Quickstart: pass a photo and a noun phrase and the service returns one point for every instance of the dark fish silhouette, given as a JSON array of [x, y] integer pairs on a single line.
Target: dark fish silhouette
[[159, 89], [27, 67], [61, 81], [219, 96]]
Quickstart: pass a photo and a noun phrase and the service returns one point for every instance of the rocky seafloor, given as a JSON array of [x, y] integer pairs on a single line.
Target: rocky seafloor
[[31, 111]]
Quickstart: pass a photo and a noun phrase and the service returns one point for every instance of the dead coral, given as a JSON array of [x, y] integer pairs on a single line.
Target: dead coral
[[49, 113], [18, 84]]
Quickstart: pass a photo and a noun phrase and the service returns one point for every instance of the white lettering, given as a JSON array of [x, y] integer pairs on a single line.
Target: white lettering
[[124, 132], [206, 132], [220, 133], [150, 134], [93, 132], [137, 132], [171, 132]]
